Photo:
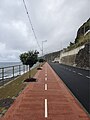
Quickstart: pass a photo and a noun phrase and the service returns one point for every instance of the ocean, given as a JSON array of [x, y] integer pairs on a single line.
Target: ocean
[[7, 64], [10, 71], [7, 71]]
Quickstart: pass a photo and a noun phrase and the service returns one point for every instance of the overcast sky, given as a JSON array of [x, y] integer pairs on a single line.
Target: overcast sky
[[56, 21]]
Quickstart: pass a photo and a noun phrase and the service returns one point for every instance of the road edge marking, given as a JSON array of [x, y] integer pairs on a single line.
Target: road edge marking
[[80, 74], [88, 77]]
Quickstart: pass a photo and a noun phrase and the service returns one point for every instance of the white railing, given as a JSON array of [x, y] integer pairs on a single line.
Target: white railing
[[11, 72]]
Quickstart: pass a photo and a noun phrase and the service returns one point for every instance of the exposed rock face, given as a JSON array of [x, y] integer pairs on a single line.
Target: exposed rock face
[[82, 30], [83, 57]]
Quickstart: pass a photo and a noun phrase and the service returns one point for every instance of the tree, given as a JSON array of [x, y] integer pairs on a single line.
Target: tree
[[41, 60], [29, 58]]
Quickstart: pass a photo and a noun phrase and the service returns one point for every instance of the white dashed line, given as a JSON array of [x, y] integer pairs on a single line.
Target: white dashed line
[[69, 69], [88, 77], [79, 73], [45, 78], [46, 110], [74, 71], [45, 86], [46, 74]]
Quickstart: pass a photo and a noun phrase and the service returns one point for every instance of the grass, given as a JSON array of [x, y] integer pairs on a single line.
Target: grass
[[13, 89]]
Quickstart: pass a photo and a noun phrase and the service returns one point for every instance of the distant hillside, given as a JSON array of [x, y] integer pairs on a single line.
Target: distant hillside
[[82, 38], [52, 56]]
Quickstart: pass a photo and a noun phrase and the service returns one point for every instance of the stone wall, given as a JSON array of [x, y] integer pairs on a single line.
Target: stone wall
[[70, 56], [81, 59], [69, 60]]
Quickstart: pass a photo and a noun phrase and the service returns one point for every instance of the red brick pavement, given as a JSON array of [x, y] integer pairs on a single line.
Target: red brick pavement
[[60, 105]]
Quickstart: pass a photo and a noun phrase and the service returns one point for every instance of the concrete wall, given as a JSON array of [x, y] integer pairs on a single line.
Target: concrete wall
[[69, 60], [72, 52], [69, 57]]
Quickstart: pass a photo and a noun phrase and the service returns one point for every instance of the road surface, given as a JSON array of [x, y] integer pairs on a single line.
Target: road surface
[[77, 80], [46, 99]]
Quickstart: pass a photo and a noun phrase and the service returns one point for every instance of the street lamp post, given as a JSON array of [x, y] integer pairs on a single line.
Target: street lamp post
[[42, 46]]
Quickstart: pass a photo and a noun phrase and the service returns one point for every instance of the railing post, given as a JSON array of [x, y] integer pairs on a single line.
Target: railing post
[[27, 68], [19, 70], [2, 73], [13, 71], [23, 68], [3, 76]]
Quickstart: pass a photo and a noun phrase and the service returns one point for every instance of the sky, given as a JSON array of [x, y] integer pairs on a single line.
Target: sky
[[56, 21]]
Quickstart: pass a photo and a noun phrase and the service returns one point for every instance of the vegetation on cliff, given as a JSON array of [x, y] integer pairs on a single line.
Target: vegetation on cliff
[[83, 36]]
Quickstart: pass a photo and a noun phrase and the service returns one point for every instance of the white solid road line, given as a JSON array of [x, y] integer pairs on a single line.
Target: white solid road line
[[45, 78], [46, 110], [45, 86], [88, 77], [79, 73]]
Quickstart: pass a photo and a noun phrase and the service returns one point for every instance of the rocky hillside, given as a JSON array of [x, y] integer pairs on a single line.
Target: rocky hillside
[[82, 37], [82, 31], [83, 57]]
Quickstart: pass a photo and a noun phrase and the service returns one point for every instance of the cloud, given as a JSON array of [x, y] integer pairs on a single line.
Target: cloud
[[56, 21], [8, 55]]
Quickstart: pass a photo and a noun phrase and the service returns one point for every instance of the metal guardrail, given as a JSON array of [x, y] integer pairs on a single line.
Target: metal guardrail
[[11, 72]]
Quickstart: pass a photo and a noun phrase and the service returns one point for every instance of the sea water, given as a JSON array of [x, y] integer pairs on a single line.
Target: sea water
[[8, 69], [7, 64]]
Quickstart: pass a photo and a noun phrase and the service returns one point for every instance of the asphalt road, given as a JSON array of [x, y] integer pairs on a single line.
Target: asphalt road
[[77, 80]]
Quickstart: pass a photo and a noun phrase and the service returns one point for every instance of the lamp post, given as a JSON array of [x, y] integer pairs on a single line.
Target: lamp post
[[42, 46]]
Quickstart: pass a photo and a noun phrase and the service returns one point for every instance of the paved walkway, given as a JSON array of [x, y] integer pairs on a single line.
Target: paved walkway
[[46, 99]]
